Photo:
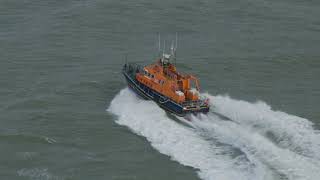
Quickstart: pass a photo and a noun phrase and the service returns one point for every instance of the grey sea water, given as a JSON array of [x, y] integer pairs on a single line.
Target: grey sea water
[[64, 112]]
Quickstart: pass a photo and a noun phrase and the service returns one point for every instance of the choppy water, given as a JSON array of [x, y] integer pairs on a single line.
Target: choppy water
[[60, 70]]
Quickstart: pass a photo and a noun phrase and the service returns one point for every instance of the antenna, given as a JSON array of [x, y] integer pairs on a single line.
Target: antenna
[[164, 46], [175, 50], [176, 41], [172, 48], [159, 44]]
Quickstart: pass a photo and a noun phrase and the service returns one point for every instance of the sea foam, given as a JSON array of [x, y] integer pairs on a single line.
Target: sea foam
[[238, 148]]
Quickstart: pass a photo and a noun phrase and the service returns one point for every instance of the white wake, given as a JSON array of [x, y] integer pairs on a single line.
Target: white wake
[[239, 148], [290, 132]]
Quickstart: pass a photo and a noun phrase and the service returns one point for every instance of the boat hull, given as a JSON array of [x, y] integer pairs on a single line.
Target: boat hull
[[164, 102]]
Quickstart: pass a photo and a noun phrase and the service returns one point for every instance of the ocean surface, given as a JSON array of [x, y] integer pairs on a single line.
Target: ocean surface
[[66, 114]]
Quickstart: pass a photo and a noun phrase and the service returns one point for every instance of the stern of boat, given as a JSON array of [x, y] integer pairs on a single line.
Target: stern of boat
[[199, 106]]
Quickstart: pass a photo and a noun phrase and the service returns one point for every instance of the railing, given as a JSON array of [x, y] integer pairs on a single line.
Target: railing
[[193, 103]]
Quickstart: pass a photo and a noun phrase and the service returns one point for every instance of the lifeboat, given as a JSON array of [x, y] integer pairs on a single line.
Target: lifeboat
[[160, 82]]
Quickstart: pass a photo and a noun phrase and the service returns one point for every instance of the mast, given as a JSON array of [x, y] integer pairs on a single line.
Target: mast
[[159, 47], [169, 58], [175, 50], [164, 48], [172, 48]]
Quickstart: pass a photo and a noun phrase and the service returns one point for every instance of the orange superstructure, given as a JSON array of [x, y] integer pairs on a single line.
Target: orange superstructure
[[163, 77]]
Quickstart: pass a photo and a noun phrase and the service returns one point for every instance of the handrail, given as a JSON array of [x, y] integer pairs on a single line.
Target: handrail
[[193, 103], [162, 102]]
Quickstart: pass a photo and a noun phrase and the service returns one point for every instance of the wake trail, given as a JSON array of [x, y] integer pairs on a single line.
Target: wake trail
[[244, 141], [181, 143], [287, 131], [258, 148]]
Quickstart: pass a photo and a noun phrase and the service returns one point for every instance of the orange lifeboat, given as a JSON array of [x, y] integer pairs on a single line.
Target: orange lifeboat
[[162, 83]]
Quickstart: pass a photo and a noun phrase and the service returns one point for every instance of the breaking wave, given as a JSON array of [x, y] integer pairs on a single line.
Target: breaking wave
[[252, 142]]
